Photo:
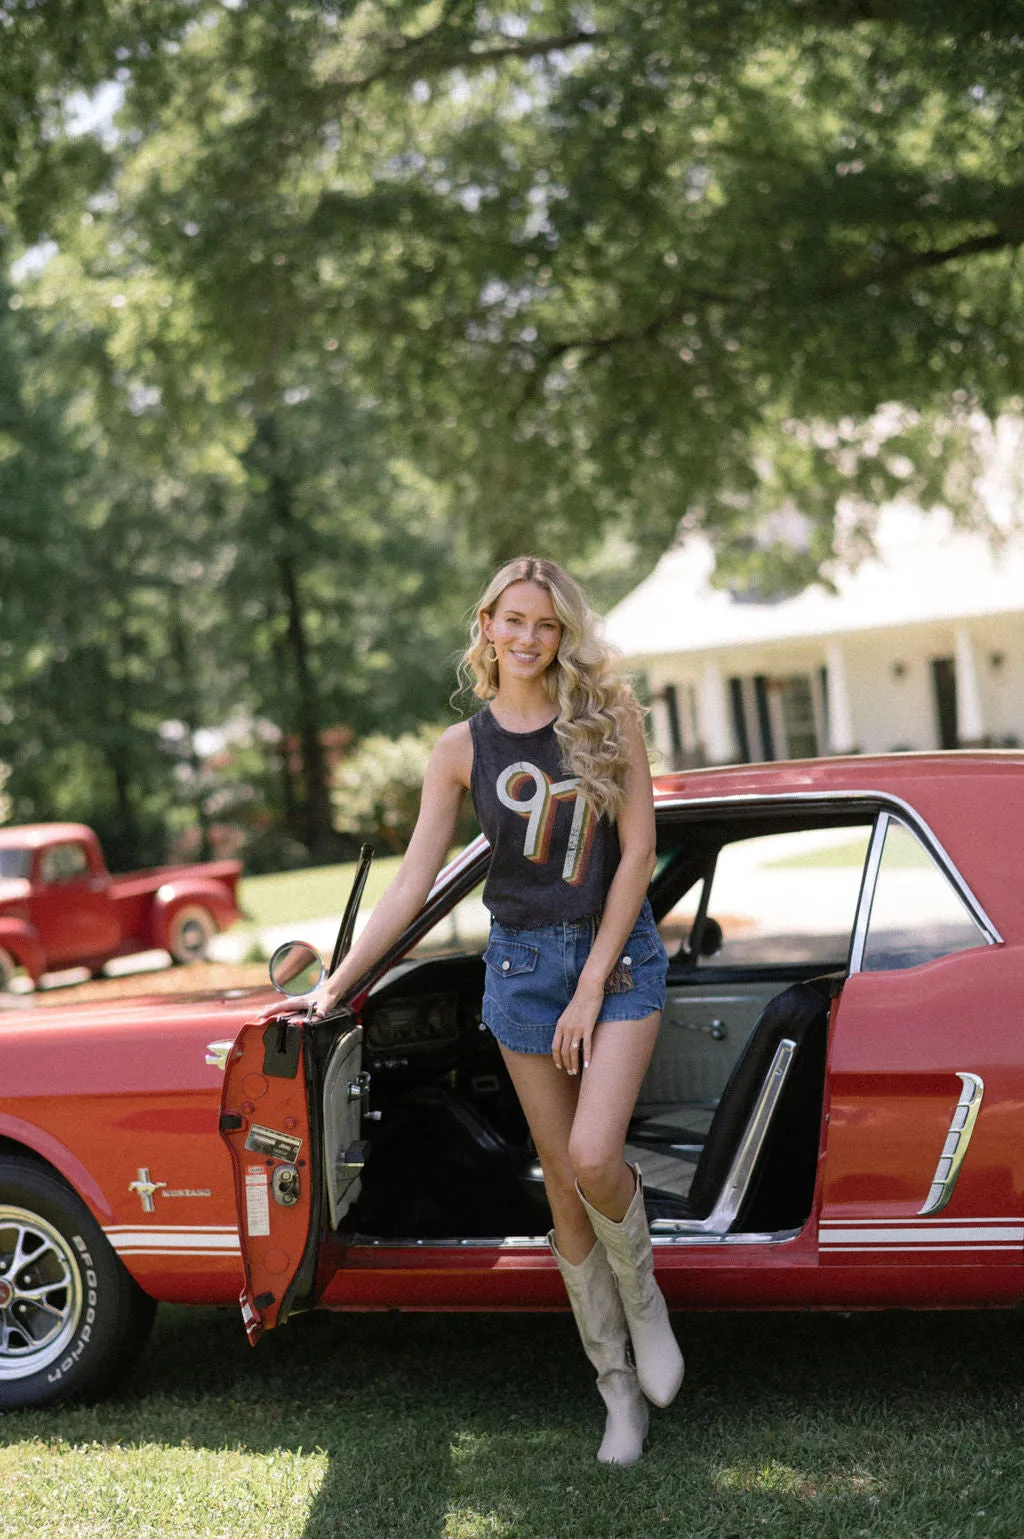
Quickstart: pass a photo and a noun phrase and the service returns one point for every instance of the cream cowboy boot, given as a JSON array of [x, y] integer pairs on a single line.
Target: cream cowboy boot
[[597, 1309], [659, 1362]]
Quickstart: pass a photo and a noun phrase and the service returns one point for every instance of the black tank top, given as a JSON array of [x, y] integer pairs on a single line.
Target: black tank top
[[551, 857]]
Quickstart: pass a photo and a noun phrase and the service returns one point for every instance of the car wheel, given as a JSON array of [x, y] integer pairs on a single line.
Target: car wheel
[[189, 933], [71, 1317]]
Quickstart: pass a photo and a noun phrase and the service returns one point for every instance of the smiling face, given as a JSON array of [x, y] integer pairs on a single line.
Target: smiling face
[[524, 631]]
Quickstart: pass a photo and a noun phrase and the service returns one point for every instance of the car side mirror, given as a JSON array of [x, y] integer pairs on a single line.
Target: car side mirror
[[296, 968], [710, 942], [711, 938]]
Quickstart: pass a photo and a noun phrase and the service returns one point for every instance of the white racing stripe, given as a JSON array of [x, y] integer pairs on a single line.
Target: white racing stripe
[[982, 1234], [917, 1223], [933, 1234], [173, 1240], [917, 1250]]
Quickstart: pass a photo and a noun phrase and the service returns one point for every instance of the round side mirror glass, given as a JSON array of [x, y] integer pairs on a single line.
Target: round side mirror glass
[[295, 968]]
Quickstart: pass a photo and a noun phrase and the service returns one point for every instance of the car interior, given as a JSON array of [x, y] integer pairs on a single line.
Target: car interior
[[756, 907]]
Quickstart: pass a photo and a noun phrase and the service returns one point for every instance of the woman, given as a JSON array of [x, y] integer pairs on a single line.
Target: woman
[[557, 769]]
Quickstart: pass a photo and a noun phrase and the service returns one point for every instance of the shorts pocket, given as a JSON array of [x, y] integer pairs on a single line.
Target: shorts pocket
[[510, 958], [643, 945]]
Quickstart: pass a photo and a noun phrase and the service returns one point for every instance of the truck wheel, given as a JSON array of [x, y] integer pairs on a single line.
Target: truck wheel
[[189, 933], [71, 1317]]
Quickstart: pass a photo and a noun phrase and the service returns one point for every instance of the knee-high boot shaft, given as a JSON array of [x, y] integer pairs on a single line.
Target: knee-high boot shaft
[[597, 1310], [627, 1244]]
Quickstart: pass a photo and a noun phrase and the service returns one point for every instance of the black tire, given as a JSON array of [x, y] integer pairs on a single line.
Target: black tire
[[71, 1317], [190, 932]]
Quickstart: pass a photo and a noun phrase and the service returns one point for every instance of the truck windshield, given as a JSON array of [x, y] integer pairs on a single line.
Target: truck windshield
[[14, 863]]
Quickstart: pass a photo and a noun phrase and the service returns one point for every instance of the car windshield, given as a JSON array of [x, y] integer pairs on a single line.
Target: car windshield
[[14, 863]]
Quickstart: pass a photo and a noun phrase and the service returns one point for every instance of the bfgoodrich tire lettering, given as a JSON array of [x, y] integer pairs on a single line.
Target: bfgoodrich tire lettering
[[71, 1317]]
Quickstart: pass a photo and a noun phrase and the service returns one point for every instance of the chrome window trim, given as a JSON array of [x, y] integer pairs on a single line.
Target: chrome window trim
[[876, 801], [866, 896]]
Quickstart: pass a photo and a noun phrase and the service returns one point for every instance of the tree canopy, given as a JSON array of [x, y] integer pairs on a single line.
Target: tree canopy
[[341, 303]]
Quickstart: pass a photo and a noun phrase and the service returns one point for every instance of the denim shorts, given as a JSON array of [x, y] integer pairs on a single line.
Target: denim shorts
[[532, 976]]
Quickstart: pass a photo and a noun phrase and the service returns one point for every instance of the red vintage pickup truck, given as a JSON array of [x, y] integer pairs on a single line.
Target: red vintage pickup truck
[[60, 907]]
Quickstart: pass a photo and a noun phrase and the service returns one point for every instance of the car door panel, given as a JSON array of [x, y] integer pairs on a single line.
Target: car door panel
[[344, 1152], [702, 1034], [277, 1151]]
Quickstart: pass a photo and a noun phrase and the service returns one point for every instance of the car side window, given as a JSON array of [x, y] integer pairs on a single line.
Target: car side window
[[784, 897], [916, 913], [63, 863]]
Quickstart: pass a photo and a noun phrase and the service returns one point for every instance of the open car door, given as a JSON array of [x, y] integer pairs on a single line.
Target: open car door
[[296, 1168]]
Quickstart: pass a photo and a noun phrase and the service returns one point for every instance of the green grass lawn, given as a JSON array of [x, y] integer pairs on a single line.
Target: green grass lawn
[[315, 893], [310, 894], [903, 854], [485, 1427]]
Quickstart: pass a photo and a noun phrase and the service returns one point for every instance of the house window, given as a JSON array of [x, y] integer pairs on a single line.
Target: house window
[[778, 717], [944, 686], [679, 737]]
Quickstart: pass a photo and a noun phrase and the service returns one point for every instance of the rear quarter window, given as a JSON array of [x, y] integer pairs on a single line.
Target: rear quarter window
[[916, 913]]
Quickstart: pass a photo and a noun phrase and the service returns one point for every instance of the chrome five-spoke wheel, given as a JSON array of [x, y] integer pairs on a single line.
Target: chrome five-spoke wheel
[[42, 1293], [71, 1316]]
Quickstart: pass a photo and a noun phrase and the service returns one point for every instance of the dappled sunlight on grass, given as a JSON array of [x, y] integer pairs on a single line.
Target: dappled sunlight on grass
[[462, 1523], [426, 1426], [773, 1476], [78, 1489]]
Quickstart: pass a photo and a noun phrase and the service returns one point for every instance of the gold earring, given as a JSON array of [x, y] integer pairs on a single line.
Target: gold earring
[[490, 655]]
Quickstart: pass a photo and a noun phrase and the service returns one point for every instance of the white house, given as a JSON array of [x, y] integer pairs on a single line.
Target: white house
[[920, 647]]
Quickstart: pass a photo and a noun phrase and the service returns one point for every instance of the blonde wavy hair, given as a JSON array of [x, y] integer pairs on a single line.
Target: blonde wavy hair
[[594, 704]]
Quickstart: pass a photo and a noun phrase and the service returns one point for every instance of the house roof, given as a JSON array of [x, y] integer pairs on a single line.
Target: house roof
[[30, 836], [924, 570]]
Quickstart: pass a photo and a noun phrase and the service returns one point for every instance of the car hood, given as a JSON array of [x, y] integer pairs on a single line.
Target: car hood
[[221, 1008]]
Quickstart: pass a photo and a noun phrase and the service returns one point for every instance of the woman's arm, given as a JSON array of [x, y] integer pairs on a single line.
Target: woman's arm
[[625, 897], [444, 787]]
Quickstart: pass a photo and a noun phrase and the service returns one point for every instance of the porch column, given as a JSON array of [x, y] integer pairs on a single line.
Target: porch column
[[970, 725], [841, 737], [661, 726], [716, 727]]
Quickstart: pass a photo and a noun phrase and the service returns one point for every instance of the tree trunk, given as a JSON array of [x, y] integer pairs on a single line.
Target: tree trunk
[[315, 815], [189, 715]]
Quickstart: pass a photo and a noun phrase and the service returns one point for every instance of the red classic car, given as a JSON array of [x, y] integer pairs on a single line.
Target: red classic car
[[832, 1117], [60, 907]]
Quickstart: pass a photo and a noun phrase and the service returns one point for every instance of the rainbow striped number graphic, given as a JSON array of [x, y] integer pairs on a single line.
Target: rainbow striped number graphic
[[538, 807]]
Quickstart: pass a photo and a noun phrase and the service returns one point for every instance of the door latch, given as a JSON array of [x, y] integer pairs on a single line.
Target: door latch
[[359, 1088], [285, 1186]]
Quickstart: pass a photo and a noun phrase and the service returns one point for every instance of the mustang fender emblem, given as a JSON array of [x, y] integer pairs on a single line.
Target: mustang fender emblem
[[146, 1189]]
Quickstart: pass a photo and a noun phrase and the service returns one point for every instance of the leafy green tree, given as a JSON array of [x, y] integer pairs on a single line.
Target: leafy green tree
[[376, 791], [353, 300]]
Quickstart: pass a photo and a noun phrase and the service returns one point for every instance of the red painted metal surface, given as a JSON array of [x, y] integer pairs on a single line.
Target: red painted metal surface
[[266, 1128]]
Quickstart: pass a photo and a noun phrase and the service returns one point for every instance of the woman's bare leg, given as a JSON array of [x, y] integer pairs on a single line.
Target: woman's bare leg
[[619, 1057], [548, 1097], [579, 1126]]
